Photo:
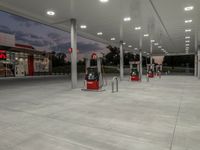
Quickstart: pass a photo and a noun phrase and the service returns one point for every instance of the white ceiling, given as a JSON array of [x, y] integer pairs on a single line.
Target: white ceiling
[[163, 19]]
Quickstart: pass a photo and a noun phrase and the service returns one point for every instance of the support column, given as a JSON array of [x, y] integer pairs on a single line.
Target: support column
[[140, 44], [87, 62], [141, 71], [196, 54], [74, 77], [99, 62], [198, 64], [151, 52], [121, 61]]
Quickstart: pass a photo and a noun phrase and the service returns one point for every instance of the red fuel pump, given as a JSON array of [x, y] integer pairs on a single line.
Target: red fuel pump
[[150, 70], [93, 76], [159, 70], [135, 71]]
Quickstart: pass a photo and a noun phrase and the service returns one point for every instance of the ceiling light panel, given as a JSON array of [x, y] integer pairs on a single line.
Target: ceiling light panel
[[126, 19], [51, 13], [104, 1], [188, 21], [189, 8]]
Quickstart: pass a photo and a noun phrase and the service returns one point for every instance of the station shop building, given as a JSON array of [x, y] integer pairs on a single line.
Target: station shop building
[[18, 60]]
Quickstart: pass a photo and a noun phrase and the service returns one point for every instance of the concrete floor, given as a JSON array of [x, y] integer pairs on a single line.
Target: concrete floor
[[45, 114]]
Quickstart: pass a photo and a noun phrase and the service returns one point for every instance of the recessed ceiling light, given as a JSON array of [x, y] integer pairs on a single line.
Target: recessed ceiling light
[[188, 30], [188, 21], [99, 33], [187, 44], [103, 1], [156, 44], [162, 49], [130, 46], [146, 35], [159, 46], [137, 28], [187, 41], [189, 8], [126, 19], [187, 37], [152, 41], [136, 49], [83, 26], [113, 39], [124, 43], [51, 13]]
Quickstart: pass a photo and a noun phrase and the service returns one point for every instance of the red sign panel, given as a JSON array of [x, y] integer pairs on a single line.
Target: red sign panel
[[3, 55], [70, 50], [94, 56]]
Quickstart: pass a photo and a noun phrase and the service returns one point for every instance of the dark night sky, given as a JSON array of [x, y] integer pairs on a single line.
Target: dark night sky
[[43, 37]]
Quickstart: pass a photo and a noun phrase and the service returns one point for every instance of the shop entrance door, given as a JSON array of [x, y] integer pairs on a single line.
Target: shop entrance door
[[19, 68]]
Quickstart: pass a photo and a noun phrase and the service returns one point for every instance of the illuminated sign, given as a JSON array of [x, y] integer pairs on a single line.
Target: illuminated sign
[[3, 55], [94, 56], [70, 50]]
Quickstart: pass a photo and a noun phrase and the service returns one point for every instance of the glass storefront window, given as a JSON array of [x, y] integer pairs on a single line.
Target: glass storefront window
[[20, 64]]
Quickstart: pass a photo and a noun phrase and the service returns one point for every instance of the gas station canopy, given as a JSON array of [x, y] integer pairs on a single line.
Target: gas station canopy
[[170, 24]]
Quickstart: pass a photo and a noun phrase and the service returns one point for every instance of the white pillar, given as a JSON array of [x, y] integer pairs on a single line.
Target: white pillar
[[87, 62], [141, 64], [151, 52], [121, 61], [196, 54], [99, 62], [198, 64], [74, 76]]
